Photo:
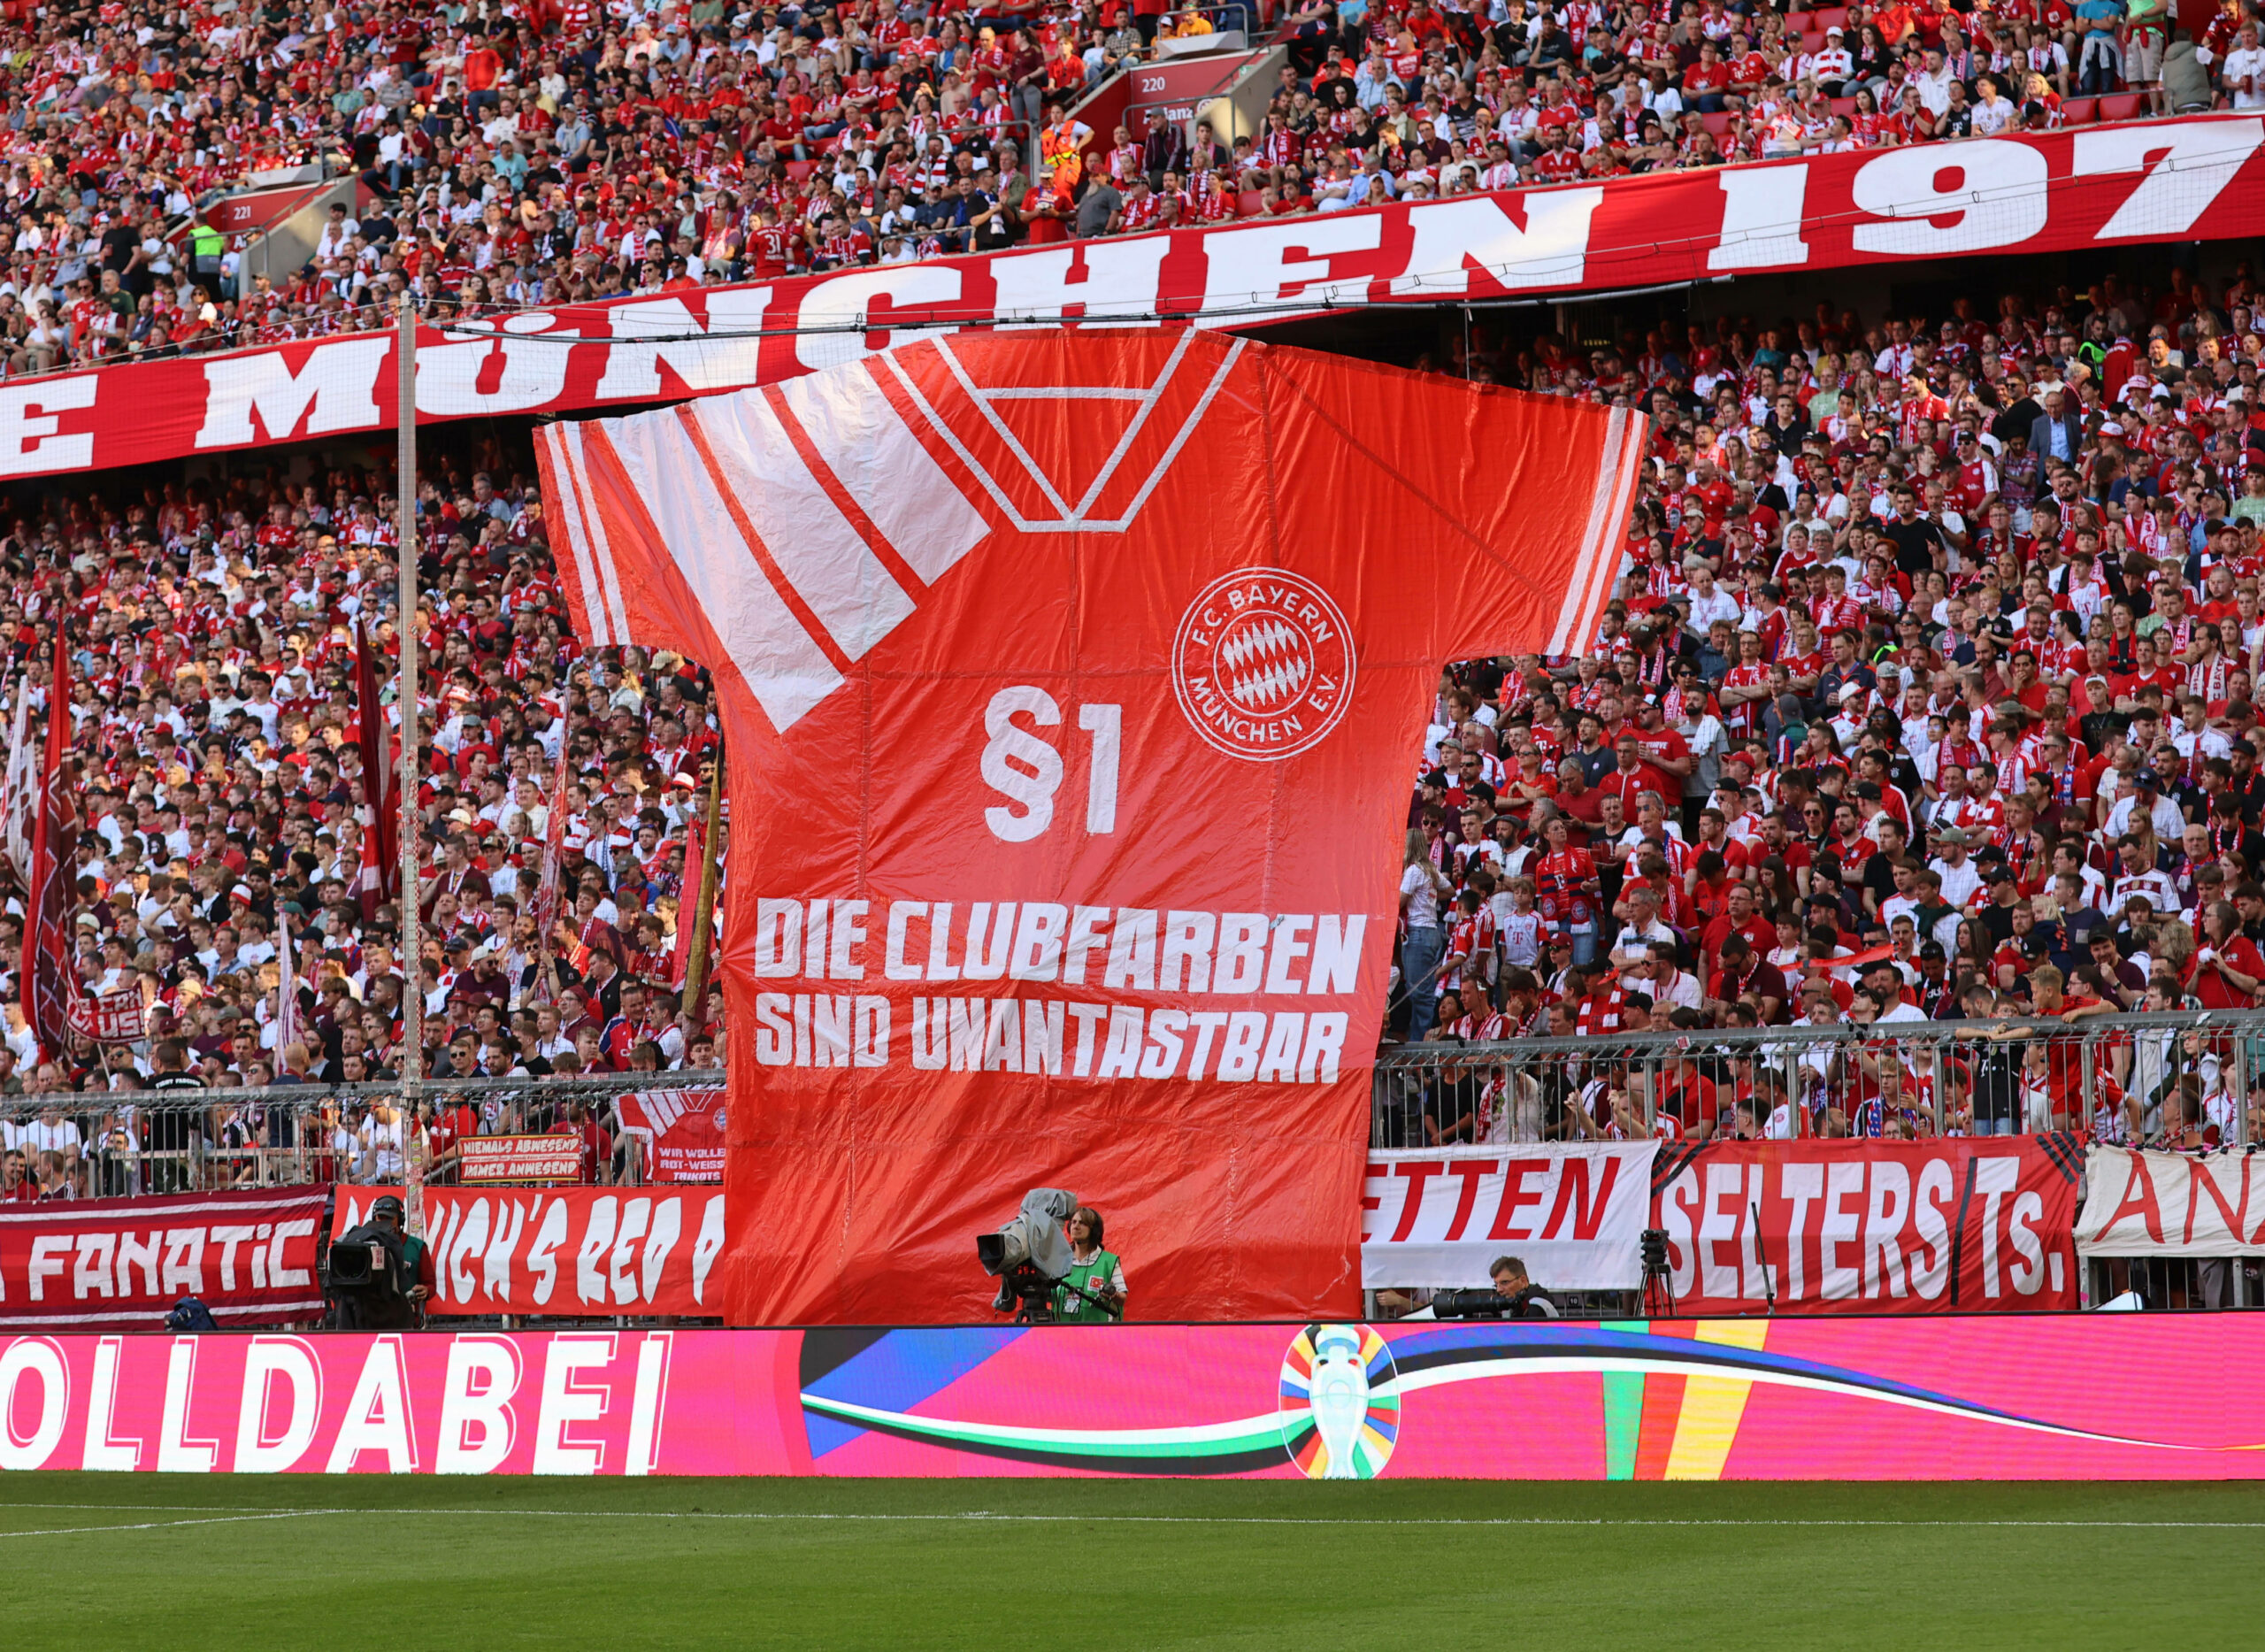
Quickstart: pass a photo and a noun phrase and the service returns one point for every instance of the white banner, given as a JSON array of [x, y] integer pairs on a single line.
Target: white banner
[[1574, 1214], [2171, 1204]]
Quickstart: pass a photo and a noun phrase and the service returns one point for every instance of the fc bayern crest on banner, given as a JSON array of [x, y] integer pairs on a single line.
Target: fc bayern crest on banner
[[1263, 663], [1340, 1402]]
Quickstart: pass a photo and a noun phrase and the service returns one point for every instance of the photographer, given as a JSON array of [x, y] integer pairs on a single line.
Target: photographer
[[1525, 1300], [1097, 1272]]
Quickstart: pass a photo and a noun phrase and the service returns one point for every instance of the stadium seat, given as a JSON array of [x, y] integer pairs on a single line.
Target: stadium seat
[[1844, 105], [1718, 123], [2080, 111], [1837, 17], [2122, 106], [800, 169], [1250, 204]]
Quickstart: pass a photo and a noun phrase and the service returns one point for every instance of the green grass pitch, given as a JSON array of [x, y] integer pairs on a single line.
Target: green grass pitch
[[176, 1563]]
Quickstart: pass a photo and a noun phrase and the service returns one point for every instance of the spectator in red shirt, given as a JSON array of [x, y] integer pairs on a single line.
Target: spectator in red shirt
[[2226, 969]]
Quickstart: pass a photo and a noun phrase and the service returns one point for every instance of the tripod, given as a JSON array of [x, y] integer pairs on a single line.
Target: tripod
[[1032, 1295], [1659, 1278]]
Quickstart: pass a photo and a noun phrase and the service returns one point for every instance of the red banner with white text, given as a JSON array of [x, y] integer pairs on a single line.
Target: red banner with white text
[[568, 1250], [1114, 912], [1575, 1215], [1956, 1224], [520, 1158], [2194, 178], [122, 1264], [683, 1128]]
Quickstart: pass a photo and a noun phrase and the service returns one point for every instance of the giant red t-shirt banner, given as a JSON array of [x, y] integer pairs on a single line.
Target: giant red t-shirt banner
[[2195, 178], [1957, 1224], [1077, 676], [122, 1264]]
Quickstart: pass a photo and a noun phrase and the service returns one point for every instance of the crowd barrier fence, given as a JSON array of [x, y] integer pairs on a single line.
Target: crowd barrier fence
[[2156, 1079], [2124, 1078], [2183, 1078], [124, 1143]]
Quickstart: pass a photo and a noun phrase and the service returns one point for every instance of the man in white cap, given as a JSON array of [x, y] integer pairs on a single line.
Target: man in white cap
[[1962, 880], [1831, 67], [1847, 725]]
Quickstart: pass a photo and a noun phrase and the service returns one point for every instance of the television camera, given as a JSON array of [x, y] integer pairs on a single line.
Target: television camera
[[1029, 1257]]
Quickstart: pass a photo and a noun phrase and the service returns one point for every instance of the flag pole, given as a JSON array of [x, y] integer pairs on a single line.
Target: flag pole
[[406, 773], [703, 917]]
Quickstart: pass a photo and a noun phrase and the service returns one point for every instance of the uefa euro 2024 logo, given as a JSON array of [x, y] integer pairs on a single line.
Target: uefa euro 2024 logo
[[1340, 1402]]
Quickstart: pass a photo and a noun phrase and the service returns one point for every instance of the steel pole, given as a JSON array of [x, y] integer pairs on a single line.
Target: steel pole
[[407, 772]]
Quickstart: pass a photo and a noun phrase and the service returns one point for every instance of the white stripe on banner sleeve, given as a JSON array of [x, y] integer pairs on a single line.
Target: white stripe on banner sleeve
[[1596, 558], [1613, 558], [882, 465], [601, 545], [577, 538], [785, 669], [823, 557]]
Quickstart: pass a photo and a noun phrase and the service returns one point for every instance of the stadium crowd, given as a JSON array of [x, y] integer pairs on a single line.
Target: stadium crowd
[[1928, 694], [562, 152], [214, 714], [1973, 565]]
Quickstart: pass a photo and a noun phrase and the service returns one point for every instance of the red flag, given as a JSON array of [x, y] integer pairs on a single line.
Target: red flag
[[380, 813], [46, 974], [111, 1017]]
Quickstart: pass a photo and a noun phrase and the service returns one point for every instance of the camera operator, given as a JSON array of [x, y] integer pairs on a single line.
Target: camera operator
[[400, 1306], [416, 1257], [1097, 1272], [1525, 1299]]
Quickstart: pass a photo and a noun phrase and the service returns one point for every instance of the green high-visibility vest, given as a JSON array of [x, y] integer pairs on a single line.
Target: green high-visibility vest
[[205, 242], [1094, 1276]]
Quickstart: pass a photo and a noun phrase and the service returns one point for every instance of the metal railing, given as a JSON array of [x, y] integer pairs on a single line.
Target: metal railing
[[2186, 1080], [123, 1144], [2181, 1079]]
